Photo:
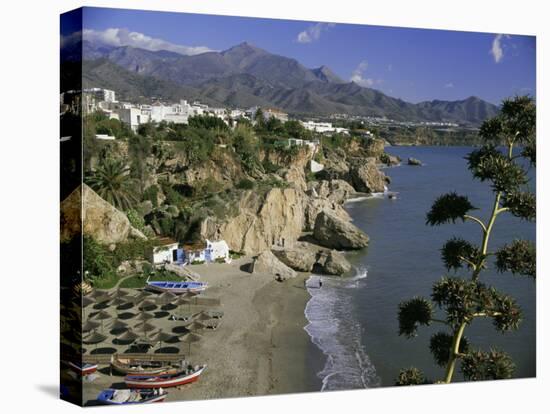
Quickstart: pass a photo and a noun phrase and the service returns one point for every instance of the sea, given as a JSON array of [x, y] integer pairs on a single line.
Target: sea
[[353, 320]]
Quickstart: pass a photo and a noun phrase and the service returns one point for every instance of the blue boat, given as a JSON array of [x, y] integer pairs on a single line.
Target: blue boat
[[112, 396], [177, 287]]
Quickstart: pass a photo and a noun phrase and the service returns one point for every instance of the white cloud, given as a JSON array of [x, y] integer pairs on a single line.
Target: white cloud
[[358, 76], [497, 49], [313, 32], [449, 85], [123, 37]]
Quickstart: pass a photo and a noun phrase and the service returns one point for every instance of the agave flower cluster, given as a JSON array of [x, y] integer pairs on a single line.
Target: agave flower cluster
[[503, 161]]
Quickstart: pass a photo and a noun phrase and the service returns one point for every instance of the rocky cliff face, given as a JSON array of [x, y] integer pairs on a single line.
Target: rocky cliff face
[[263, 221], [83, 210]]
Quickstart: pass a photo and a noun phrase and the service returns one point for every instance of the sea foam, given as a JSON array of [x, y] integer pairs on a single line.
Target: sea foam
[[335, 331]]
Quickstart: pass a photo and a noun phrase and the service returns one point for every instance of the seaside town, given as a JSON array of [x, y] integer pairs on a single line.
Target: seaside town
[[234, 223]]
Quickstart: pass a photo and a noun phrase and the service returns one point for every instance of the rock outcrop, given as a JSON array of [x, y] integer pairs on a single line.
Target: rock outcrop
[[263, 221], [267, 263], [337, 191], [333, 263], [366, 177], [333, 232], [414, 162], [85, 211], [299, 257], [306, 257]]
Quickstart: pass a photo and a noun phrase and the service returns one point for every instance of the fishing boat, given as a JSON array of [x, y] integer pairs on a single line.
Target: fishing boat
[[177, 287], [111, 396], [191, 374], [142, 367], [82, 369]]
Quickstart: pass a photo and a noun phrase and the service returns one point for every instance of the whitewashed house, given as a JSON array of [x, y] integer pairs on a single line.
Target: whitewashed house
[[165, 252], [211, 252]]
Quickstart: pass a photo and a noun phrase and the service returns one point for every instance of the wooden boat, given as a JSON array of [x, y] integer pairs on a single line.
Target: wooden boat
[[82, 369], [187, 376], [111, 396], [177, 287], [143, 367]]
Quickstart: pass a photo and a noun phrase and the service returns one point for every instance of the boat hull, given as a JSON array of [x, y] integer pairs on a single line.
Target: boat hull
[[134, 381], [84, 370], [177, 287], [105, 397]]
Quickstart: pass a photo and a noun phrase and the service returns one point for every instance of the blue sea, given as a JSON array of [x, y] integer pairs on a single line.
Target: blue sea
[[353, 320]]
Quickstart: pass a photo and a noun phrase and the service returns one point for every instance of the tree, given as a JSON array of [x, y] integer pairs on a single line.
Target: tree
[[465, 299], [112, 181]]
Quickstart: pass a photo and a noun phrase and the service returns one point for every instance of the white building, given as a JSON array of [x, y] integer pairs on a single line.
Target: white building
[[101, 95], [133, 116], [165, 252], [211, 252], [323, 127], [314, 145]]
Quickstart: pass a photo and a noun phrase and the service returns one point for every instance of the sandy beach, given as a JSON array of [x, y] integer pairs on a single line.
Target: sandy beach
[[260, 347]]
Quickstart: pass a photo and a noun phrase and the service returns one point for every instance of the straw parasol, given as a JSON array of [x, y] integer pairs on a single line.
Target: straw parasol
[[184, 299], [161, 337], [87, 301], [121, 293], [165, 299], [120, 300], [190, 338], [89, 326], [94, 338], [140, 296], [201, 316], [101, 316], [195, 326], [145, 327], [127, 337], [118, 325], [144, 316], [96, 293], [146, 304]]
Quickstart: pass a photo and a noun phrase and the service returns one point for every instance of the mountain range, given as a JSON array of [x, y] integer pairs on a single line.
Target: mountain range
[[245, 76]]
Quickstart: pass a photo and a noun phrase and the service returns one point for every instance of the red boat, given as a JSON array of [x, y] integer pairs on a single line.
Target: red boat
[[82, 369], [187, 376]]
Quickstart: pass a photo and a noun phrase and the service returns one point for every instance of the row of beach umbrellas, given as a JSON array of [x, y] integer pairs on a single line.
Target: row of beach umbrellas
[[145, 302]]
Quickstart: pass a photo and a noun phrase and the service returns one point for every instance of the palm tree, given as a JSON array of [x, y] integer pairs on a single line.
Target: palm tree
[[111, 181]]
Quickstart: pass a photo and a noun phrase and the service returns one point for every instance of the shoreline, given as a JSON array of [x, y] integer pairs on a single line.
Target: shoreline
[[261, 346]]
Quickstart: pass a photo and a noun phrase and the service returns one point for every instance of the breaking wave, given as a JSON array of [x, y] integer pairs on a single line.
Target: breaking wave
[[335, 331]]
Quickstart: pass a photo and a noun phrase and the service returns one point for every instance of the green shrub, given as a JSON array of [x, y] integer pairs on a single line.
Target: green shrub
[[245, 184]]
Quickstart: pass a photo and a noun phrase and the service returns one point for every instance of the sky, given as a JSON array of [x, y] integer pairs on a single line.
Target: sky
[[412, 64]]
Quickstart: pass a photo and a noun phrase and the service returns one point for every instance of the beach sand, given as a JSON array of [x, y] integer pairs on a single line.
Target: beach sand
[[260, 348]]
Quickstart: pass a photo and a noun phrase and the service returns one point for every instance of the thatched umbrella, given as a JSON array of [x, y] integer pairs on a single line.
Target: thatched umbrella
[[160, 337], [94, 338], [190, 338], [145, 327], [184, 299], [96, 293], [121, 293], [120, 300], [144, 316], [201, 316], [118, 326], [140, 296], [127, 337], [165, 299], [195, 326], [101, 316], [87, 301], [89, 326], [147, 304]]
